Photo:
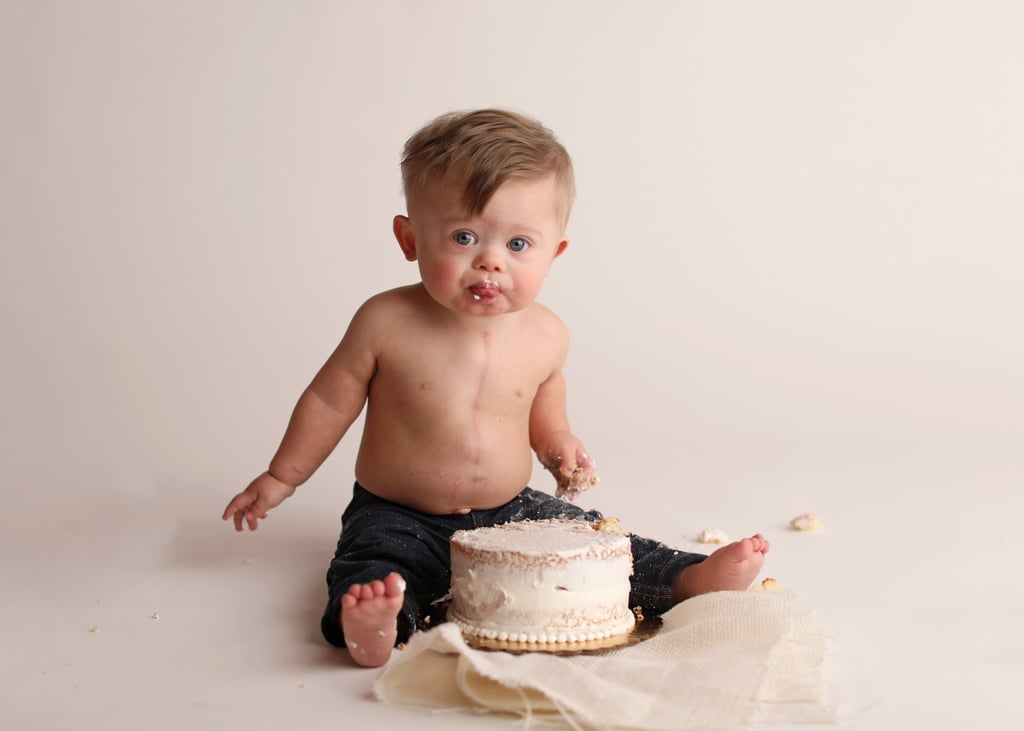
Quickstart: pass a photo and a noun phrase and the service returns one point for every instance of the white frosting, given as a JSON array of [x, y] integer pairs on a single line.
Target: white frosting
[[541, 582], [806, 522], [712, 535]]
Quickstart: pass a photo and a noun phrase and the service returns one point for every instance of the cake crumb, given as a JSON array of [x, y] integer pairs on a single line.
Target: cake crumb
[[612, 525], [806, 523], [769, 584], [712, 535], [400, 646], [94, 629], [154, 615], [582, 478], [638, 611]]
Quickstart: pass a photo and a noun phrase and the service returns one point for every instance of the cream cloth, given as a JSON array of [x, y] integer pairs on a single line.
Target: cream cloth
[[720, 660]]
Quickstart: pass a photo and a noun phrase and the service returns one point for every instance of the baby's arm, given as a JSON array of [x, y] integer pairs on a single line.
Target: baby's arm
[[557, 448], [321, 417]]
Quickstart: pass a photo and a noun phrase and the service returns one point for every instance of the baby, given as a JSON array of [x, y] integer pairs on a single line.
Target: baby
[[461, 376]]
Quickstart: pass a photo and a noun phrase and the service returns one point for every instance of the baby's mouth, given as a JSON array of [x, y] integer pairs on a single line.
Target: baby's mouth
[[486, 290]]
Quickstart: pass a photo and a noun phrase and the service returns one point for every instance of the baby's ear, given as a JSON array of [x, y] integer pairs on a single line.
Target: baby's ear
[[405, 236]]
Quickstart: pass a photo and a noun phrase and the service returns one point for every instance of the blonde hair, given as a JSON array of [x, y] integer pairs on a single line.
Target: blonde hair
[[482, 150]]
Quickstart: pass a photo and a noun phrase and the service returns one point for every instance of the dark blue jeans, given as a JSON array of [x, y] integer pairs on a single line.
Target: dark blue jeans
[[379, 536]]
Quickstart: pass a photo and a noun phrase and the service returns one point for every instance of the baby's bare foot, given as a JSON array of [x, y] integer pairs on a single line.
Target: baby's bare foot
[[731, 568], [369, 619]]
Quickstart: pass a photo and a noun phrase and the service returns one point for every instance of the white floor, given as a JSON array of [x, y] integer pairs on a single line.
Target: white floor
[[131, 612]]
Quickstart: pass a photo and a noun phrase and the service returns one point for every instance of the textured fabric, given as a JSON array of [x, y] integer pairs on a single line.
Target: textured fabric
[[379, 536], [719, 661]]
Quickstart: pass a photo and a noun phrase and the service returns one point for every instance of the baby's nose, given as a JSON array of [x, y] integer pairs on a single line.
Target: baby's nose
[[489, 260]]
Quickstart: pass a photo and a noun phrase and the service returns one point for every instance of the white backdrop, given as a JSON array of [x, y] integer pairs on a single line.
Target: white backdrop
[[798, 223], [795, 268]]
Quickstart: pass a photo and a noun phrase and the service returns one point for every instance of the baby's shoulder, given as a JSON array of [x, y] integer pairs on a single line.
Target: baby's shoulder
[[540, 335], [380, 318], [546, 322], [389, 303]]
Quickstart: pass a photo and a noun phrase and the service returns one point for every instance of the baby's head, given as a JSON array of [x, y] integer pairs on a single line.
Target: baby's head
[[480, 151]]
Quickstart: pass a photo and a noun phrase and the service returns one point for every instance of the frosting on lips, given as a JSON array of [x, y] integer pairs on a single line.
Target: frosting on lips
[[485, 291]]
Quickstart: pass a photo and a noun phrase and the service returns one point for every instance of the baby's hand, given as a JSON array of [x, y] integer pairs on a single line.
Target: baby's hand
[[253, 503], [579, 479], [572, 467]]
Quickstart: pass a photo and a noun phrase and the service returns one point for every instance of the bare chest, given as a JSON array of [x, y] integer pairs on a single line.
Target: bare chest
[[489, 372]]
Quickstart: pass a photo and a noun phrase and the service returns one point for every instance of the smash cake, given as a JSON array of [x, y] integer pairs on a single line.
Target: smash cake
[[543, 582]]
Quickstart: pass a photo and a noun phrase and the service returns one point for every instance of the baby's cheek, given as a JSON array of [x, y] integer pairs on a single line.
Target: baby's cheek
[[528, 285], [448, 273], [440, 275]]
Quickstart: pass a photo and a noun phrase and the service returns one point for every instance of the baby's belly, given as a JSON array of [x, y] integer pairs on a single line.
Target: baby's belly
[[445, 466], [438, 488]]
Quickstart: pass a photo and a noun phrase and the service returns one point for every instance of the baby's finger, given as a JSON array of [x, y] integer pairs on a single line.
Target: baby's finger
[[253, 517], [583, 478], [567, 466], [233, 506]]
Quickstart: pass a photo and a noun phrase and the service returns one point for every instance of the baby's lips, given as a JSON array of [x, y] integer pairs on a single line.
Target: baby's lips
[[485, 291]]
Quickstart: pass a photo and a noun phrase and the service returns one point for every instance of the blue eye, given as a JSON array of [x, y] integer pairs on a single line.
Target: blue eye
[[465, 238], [518, 244]]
